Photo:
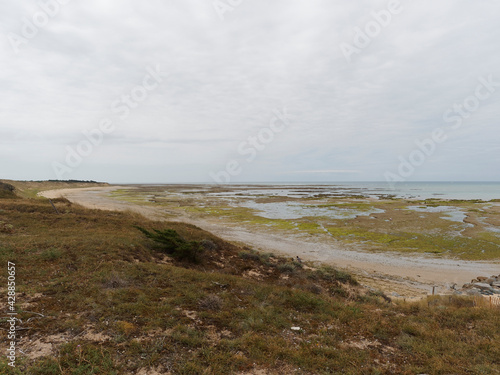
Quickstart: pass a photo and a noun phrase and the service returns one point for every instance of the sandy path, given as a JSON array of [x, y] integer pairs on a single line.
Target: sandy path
[[387, 271]]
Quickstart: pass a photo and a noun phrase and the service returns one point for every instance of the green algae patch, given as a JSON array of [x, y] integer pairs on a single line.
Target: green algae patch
[[311, 228], [243, 215], [485, 248], [358, 234]]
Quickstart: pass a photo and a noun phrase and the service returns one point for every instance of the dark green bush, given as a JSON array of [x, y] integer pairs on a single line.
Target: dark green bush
[[331, 274], [171, 243], [250, 255], [7, 191]]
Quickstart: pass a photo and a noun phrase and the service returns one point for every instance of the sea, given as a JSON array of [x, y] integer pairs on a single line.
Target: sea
[[409, 190]]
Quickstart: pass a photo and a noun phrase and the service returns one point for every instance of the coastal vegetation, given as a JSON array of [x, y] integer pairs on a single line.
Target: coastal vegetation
[[30, 189], [95, 295]]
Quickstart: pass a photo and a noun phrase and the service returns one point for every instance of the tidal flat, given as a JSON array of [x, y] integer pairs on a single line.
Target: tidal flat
[[461, 229]]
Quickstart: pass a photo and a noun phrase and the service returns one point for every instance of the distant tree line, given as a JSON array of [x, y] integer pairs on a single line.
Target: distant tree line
[[74, 181]]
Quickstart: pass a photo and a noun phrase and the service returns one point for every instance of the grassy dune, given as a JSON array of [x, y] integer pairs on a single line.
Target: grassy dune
[[96, 297], [30, 189]]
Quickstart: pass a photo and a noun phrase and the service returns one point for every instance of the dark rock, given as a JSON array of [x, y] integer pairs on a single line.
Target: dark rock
[[483, 286], [486, 292]]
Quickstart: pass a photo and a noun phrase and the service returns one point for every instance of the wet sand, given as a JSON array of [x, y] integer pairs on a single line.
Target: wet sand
[[407, 275]]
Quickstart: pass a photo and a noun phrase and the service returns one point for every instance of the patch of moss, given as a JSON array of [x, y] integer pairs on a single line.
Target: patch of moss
[[311, 228], [485, 247], [353, 233]]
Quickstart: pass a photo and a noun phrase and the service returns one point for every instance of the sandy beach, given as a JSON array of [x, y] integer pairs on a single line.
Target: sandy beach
[[406, 275]]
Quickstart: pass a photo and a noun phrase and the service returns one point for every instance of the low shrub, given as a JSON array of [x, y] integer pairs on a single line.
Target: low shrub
[[51, 254], [331, 274], [209, 245], [174, 245], [7, 191], [251, 255], [211, 302], [6, 228], [286, 267]]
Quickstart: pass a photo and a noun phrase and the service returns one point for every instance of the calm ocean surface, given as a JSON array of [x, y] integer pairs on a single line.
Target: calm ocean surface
[[424, 190]]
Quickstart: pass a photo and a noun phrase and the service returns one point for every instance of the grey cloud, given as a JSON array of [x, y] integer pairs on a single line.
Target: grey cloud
[[226, 77]]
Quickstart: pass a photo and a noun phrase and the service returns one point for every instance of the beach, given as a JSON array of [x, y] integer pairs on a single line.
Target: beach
[[406, 275]]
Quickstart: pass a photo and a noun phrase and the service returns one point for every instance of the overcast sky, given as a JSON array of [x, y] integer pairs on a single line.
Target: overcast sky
[[355, 104]]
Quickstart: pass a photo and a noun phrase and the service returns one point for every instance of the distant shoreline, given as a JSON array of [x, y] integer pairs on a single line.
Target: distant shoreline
[[461, 190]]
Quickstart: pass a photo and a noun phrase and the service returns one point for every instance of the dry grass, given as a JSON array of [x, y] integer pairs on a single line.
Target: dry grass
[[30, 189], [111, 304]]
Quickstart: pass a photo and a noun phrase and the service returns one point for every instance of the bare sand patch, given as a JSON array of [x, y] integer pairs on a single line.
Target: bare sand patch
[[41, 347]]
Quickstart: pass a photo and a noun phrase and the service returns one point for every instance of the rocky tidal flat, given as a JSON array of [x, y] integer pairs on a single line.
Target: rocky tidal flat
[[465, 229]]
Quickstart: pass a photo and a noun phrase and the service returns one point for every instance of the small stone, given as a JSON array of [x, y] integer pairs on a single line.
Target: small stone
[[295, 328]]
